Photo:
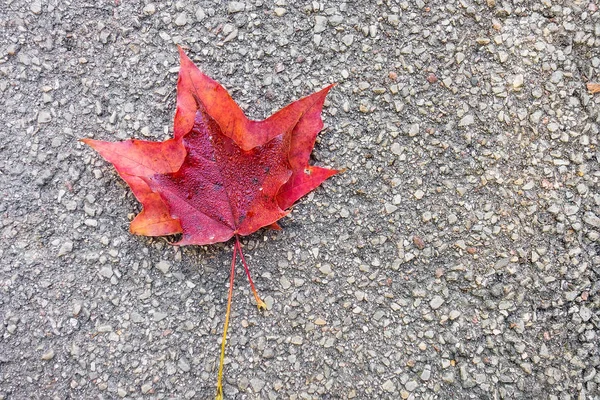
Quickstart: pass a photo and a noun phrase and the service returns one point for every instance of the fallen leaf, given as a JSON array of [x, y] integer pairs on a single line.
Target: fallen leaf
[[222, 175], [221, 190], [135, 160]]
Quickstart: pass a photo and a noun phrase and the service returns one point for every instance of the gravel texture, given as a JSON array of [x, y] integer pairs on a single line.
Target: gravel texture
[[458, 257]]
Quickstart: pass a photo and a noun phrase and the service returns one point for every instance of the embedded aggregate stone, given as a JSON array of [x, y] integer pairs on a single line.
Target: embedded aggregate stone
[[457, 255]]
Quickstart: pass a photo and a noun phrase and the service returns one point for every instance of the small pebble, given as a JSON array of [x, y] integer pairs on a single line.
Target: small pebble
[[48, 355], [411, 385], [389, 386], [285, 283], [36, 7], [44, 117], [146, 388], [163, 266], [65, 248], [149, 9], [466, 120], [325, 269], [235, 7], [436, 302], [348, 40], [181, 19]]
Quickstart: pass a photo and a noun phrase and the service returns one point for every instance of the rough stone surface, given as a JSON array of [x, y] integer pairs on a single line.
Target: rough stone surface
[[457, 257], [163, 266], [235, 7]]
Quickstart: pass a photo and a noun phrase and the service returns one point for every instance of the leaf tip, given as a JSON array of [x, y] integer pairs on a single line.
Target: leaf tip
[[183, 57], [182, 49], [327, 88], [90, 142]]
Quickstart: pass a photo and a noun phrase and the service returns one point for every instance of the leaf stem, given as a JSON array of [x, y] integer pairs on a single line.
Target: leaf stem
[[259, 303], [224, 340]]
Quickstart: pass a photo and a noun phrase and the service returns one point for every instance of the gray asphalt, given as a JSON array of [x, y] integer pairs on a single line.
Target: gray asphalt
[[458, 256]]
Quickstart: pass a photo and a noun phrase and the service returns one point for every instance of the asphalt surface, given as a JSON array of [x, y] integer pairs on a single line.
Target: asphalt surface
[[458, 256]]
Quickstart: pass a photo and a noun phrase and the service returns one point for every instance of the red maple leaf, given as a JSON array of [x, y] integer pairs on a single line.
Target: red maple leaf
[[222, 175]]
